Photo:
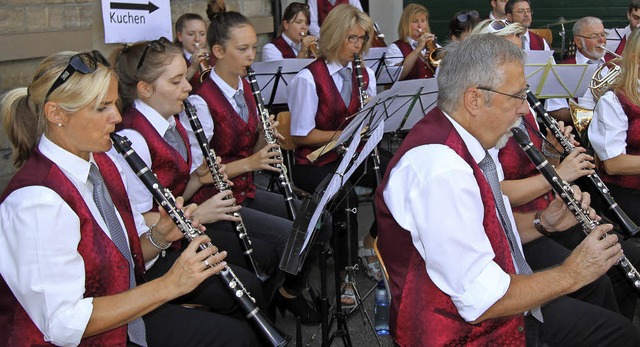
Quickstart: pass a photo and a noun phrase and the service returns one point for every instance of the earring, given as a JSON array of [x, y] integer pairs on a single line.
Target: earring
[[59, 125]]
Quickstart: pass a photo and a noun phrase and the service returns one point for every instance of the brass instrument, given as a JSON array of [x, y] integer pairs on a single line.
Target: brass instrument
[[434, 53], [313, 49], [378, 38], [581, 117], [205, 67], [599, 85]]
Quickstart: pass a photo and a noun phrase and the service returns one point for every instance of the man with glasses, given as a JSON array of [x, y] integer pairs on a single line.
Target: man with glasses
[[589, 37], [520, 11], [633, 15], [497, 9], [451, 245]]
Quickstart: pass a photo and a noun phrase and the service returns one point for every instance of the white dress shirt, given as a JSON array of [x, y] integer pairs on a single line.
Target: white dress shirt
[[140, 195], [39, 259], [394, 54], [438, 201], [527, 42], [303, 98], [608, 128], [205, 116], [270, 52], [314, 28], [584, 101]]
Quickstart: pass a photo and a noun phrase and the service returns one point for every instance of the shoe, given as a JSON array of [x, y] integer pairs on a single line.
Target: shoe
[[372, 269], [299, 307], [347, 294]]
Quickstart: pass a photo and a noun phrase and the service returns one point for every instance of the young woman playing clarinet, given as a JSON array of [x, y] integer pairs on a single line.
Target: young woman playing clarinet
[[153, 86], [227, 109], [294, 40], [73, 266]]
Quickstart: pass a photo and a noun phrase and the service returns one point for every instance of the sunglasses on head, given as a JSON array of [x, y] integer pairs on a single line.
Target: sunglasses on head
[[465, 16], [497, 25], [84, 63], [158, 45]]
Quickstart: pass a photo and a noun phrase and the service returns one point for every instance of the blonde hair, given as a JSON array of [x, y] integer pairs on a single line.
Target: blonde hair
[[22, 109], [336, 26], [627, 81], [404, 26]]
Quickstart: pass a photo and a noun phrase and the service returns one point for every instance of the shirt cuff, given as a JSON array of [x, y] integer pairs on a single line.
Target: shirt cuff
[[489, 287], [67, 328]]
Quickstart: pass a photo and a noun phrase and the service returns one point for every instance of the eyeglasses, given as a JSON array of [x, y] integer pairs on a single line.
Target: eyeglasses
[[523, 12], [602, 35], [355, 38], [463, 17], [84, 63], [522, 96], [158, 45]]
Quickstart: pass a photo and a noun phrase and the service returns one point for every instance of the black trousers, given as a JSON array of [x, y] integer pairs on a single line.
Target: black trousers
[[172, 325], [587, 317]]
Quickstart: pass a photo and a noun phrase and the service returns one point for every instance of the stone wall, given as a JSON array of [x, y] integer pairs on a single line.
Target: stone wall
[[33, 29]]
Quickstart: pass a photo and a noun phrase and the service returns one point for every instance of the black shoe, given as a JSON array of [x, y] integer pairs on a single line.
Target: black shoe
[[299, 307]]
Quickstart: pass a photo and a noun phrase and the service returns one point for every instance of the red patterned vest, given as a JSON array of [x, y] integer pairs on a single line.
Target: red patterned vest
[[106, 270], [421, 314], [283, 47], [324, 7], [420, 69], [536, 42], [195, 80], [572, 60], [166, 162], [233, 138], [633, 145], [331, 112], [516, 165]]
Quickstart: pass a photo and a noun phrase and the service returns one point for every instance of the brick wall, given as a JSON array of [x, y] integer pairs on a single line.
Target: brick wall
[[33, 29]]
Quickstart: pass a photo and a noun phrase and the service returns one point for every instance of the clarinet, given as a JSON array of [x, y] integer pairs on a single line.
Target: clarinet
[[362, 96], [270, 137], [221, 185], [563, 189], [626, 224], [165, 199]]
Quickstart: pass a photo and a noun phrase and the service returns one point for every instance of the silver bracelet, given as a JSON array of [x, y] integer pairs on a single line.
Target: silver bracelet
[[154, 242]]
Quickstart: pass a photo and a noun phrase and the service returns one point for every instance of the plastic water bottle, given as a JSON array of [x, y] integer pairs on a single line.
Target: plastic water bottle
[[381, 310]]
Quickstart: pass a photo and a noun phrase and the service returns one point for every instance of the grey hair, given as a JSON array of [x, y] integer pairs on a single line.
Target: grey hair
[[584, 21], [475, 61]]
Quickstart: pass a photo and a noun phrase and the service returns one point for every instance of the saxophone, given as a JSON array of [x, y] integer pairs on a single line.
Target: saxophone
[[165, 199], [222, 185], [270, 138]]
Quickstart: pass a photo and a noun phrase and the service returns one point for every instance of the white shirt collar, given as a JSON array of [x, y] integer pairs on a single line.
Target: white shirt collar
[[473, 145], [334, 67], [582, 59], [227, 90], [186, 54], [157, 121], [71, 164], [296, 47]]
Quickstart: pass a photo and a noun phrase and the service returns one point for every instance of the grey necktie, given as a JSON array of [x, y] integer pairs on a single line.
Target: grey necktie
[[524, 41], [489, 170], [136, 329], [345, 91], [173, 138], [598, 62], [244, 111], [333, 2]]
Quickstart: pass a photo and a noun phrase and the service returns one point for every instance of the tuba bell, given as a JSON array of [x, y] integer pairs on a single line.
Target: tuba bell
[[599, 85]]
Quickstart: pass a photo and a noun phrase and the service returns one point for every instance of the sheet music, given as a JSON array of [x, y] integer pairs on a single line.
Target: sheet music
[[267, 73], [376, 60], [614, 36]]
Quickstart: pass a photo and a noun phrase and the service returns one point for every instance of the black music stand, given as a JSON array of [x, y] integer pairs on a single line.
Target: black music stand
[[274, 78], [376, 59], [306, 225]]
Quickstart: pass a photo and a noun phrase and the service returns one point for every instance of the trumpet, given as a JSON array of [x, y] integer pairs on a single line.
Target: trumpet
[[313, 49], [205, 67], [434, 53], [599, 85]]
